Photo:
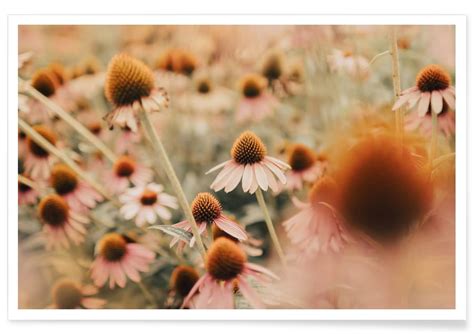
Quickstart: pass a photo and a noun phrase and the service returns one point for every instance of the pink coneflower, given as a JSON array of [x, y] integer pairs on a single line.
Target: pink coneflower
[[26, 194], [68, 294], [79, 195], [124, 171], [251, 164], [346, 62], [182, 280], [317, 227], [208, 97], [38, 160], [126, 140], [226, 268], [433, 86], [129, 86], [446, 122], [255, 103], [146, 203], [206, 209], [60, 224], [118, 258], [305, 166]]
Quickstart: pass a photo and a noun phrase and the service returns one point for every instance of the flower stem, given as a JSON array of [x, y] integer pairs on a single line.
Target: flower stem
[[434, 137], [81, 129], [147, 294], [377, 56], [166, 164], [51, 149], [399, 123], [271, 229]]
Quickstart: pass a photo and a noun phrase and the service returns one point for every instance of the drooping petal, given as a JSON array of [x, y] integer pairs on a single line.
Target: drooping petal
[[250, 294], [231, 228], [436, 102], [424, 103]]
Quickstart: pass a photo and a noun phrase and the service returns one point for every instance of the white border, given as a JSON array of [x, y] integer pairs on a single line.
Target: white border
[[459, 313]]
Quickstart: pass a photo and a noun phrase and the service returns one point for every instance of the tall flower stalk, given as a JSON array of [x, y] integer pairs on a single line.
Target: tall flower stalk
[[399, 112]]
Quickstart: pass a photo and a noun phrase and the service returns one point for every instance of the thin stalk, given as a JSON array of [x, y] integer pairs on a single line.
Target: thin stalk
[[28, 182], [168, 168], [81, 129], [396, 82], [51, 149], [377, 56], [271, 229], [434, 137], [147, 294]]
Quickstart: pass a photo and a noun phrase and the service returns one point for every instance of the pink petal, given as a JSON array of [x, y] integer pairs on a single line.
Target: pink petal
[[436, 102], [92, 303], [247, 178], [261, 176], [234, 179], [231, 228], [250, 294], [424, 103], [449, 98]]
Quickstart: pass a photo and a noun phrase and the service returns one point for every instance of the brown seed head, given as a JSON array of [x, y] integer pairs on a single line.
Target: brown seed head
[[148, 197], [183, 279], [252, 85], [59, 72], [112, 247], [53, 210], [273, 67], [128, 80], [124, 166], [225, 259], [301, 157], [432, 77], [67, 294], [36, 149], [63, 179], [177, 61], [204, 86], [248, 149], [45, 82], [206, 208], [323, 190]]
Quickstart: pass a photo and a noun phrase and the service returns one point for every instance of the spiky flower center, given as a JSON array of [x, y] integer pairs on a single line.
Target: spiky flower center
[[36, 149], [432, 77], [225, 259], [128, 80], [124, 166], [63, 179], [67, 295], [148, 197], [95, 128], [273, 69], [206, 208], [53, 210], [112, 247], [252, 85], [248, 149], [44, 82], [183, 279], [301, 157], [323, 190]]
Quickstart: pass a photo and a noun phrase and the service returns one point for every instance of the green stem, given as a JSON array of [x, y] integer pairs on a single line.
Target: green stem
[[271, 229], [175, 184], [81, 129], [51, 149]]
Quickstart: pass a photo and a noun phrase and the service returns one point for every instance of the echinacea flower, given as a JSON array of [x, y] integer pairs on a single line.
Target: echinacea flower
[[208, 97], [26, 194], [250, 245], [147, 202], [317, 227], [129, 86], [305, 166], [68, 294], [124, 171], [182, 280], [346, 62], [206, 209], [177, 61], [251, 165], [227, 267], [256, 103], [61, 225], [37, 160], [79, 195], [446, 122], [432, 89], [117, 258]]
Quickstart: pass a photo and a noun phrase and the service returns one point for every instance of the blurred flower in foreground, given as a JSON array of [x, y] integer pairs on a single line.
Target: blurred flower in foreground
[[382, 191], [26, 194], [183, 279], [227, 267], [124, 171], [433, 86], [206, 209], [68, 294], [126, 140], [78, 194], [305, 166], [146, 203], [345, 61], [38, 160], [117, 258], [251, 164], [318, 226], [256, 103], [60, 224], [129, 86]]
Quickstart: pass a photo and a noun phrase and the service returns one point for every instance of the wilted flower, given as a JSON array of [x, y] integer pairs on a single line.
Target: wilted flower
[[117, 258], [206, 209], [60, 224], [79, 195], [68, 294], [227, 266], [433, 89], [256, 103], [318, 227], [37, 160], [129, 86], [251, 164], [147, 202], [124, 171]]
